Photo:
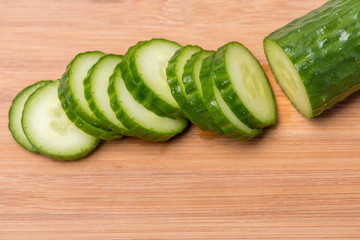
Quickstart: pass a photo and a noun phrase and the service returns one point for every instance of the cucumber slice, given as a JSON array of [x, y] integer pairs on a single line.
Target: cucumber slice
[[15, 114], [147, 82], [143, 123], [192, 84], [49, 130], [72, 96], [96, 85], [174, 72], [244, 86], [224, 117], [315, 58]]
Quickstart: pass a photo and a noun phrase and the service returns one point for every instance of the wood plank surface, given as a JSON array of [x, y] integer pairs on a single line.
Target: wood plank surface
[[298, 180]]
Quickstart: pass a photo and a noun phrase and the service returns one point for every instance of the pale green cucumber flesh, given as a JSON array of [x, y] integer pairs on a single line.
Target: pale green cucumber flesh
[[174, 72], [139, 120], [244, 86], [15, 114], [49, 130], [137, 88], [148, 83], [319, 52], [151, 60], [96, 86], [288, 77]]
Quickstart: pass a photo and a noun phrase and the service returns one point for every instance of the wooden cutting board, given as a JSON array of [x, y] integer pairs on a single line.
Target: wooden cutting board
[[299, 180]]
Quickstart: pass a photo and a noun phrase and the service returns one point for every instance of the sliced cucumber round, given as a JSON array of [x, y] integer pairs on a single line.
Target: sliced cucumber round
[[72, 96], [174, 72], [96, 85], [192, 84], [231, 125], [244, 86], [15, 114], [143, 123], [47, 127], [147, 82]]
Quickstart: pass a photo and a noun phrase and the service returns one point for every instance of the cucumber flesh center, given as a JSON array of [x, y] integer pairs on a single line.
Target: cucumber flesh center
[[287, 77], [151, 62], [48, 127], [59, 123], [250, 82], [229, 114], [141, 115]]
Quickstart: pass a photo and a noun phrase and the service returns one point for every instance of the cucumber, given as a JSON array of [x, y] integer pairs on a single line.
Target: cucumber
[[96, 85], [72, 96], [224, 117], [15, 114], [244, 86], [48, 129], [315, 58], [192, 84], [174, 72], [143, 123], [147, 82]]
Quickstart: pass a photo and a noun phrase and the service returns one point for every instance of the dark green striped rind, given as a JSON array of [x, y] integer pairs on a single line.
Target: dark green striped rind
[[224, 83], [194, 92], [212, 98], [141, 91], [92, 88], [71, 109], [324, 47], [174, 72], [131, 123], [15, 114]]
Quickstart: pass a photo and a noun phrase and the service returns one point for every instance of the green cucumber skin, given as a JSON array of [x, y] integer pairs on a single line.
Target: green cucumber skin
[[133, 126], [208, 85], [13, 126], [324, 47], [178, 93], [69, 105], [223, 83], [142, 93], [193, 93], [88, 88]]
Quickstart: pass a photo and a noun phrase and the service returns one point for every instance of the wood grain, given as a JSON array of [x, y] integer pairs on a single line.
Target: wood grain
[[298, 180]]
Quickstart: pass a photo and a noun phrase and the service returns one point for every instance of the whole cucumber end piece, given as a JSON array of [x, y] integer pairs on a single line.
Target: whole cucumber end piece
[[288, 77]]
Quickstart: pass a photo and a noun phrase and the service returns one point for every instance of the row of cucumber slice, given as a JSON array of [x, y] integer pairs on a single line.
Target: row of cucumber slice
[[149, 93]]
